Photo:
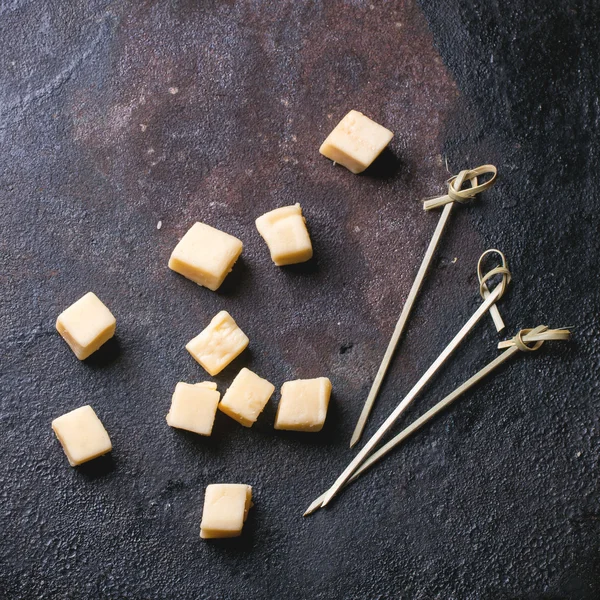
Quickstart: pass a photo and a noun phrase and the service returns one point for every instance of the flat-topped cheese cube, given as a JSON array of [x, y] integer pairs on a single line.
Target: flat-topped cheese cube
[[303, 404], [284, 230], [81, 435], [205, 255], [217, 345], [86, 325], [356, 142], [246, 397], [226, 507], [194, 407]]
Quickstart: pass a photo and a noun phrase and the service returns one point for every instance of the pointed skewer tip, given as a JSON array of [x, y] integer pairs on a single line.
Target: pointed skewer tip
[[313, 507]]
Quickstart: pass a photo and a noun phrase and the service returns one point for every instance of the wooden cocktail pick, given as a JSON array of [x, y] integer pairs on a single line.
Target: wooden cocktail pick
[[455, 194], [493, 297], [527, 340]]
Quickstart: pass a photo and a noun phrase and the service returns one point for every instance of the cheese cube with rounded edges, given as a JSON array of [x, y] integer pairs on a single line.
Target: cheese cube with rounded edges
[[194, 407], [205, 255], [86, 325], [303, 404], [81, 435], [284, 231], [246, 397], [356, 142], [226, 507], [217, 345]]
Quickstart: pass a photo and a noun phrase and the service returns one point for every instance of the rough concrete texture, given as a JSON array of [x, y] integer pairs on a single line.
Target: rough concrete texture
[[114, 116]]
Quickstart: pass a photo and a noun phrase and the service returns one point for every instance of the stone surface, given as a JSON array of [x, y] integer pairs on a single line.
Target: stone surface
[[117, 116]]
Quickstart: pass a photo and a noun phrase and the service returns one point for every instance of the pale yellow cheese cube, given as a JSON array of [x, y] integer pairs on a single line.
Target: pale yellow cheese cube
[[194, 406], [303, 405], [86, 325], [246, 397], [81, 435], [356, 142], [284, 231], [226, 507], [217, 345], [205, 255]]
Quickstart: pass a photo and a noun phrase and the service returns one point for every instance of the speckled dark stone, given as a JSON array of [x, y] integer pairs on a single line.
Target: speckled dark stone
[[117, 115]]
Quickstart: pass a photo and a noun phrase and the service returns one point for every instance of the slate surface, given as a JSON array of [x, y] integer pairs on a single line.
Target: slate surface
[[117, 115]]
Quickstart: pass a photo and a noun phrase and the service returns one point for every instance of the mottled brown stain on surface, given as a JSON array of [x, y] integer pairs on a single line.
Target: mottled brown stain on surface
[[219, 116]]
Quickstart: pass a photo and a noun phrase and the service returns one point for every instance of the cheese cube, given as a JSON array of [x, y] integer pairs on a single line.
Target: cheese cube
[[246, 397], [217, 345], [81, 435], [356, 142], [303, 404], [86, 325], [205, 255], [226, 507], [284, 230], [194, 407]]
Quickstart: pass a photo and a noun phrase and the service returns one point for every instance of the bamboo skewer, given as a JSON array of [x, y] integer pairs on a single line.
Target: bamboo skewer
[[398, 330], [458, 338], [455, 194], [519, 343]]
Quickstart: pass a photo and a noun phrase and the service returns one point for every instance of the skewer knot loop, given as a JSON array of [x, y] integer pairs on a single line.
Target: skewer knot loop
[[502, 270], [456, 193], [530, 340], [522, 345]]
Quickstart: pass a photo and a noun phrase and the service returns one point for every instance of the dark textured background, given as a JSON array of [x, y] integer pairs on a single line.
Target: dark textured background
[[115, 115]]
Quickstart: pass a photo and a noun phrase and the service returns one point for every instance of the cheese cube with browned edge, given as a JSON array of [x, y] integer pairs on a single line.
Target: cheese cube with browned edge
[[86, 325], [246, 397], [303, 405], [226, 507], [205, 255], [81, 435], [217, 345], [356, 142], [284, 231], [194, 406]]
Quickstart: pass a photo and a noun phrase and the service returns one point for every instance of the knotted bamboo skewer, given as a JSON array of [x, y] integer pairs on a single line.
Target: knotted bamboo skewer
[[455, 194], [520, 343]]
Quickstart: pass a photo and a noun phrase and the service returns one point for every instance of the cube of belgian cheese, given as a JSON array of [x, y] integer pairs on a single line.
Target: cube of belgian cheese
[[246, 397], [205, 255], [81, 435], [194, 406], [226, 507], [303, 405], [284, 231], [356, 142], [86, 325], [217, 345]]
